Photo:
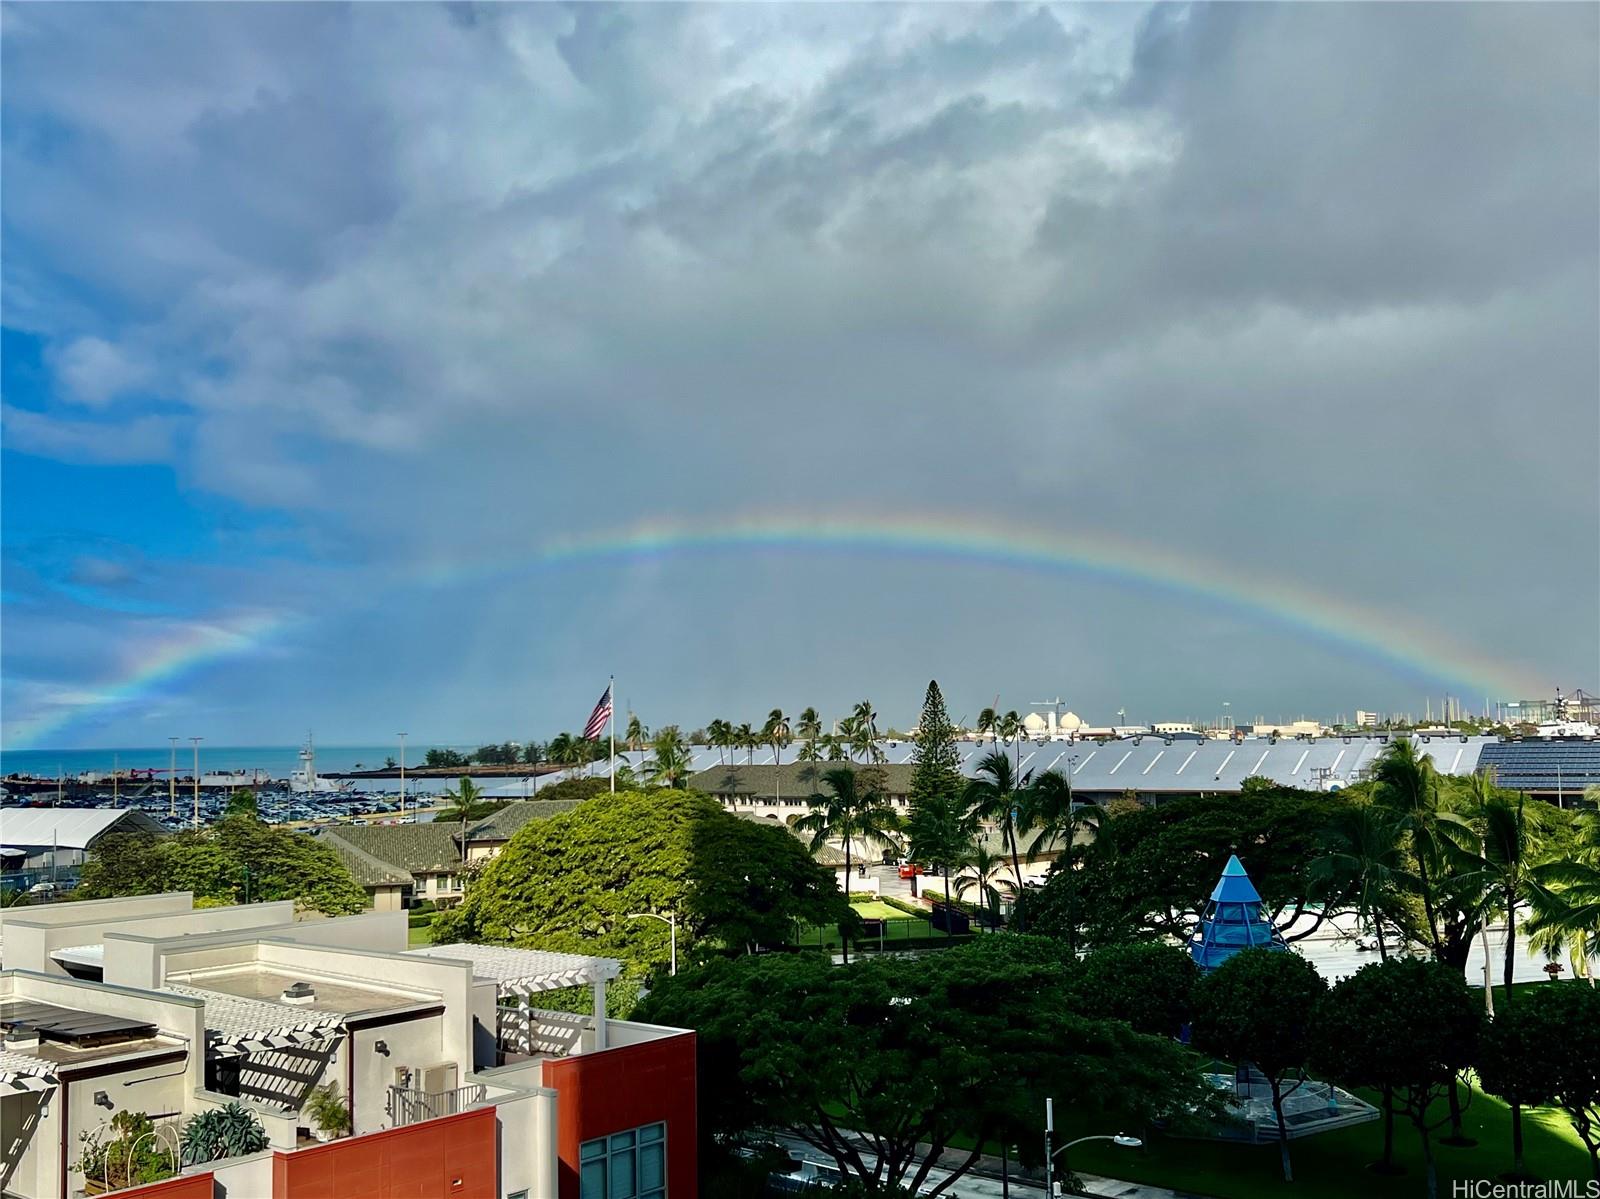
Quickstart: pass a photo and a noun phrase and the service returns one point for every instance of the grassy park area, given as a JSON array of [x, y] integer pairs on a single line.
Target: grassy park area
[[900, 928], [1329, 1165]]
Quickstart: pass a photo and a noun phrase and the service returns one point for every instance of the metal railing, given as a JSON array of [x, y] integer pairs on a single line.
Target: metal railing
[[407, 1106]]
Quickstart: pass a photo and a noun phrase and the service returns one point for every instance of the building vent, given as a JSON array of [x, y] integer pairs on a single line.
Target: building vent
[[20, 1038], [301, 992]]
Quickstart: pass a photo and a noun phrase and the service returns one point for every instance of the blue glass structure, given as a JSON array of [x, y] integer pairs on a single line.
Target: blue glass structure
[[1233, 920]]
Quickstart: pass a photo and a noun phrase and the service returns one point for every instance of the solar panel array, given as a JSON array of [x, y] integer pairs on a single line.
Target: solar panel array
[[1567, 766], [1153, 763]]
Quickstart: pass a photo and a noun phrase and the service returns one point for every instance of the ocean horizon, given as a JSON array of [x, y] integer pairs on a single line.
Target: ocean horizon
[[273, 761]]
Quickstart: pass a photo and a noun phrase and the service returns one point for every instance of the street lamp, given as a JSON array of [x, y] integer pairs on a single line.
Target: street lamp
[[402, 737], [671, 921], [197, 741], [1120, 1139], [172, 780]]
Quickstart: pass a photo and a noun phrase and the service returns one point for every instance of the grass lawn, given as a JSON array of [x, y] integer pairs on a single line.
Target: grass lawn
[[876, 909], [1331, 1165], [419, 936]]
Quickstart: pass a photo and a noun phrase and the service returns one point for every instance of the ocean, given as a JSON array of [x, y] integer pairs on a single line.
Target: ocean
[[274, 761]]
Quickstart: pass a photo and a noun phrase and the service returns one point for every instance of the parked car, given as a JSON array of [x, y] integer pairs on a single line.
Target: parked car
[[44, 890], [910, 870]]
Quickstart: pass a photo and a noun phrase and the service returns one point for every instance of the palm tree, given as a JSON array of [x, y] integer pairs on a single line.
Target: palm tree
[[1566, 900], [1009, 728], [776, 734], [746, 739], [988, 719], [864, 738], [720, 734], [1059, 819], [939, 829], [836, 748], [986, 868], [1364, 862], [809, 725], [465, 795], [856, 809], [1407, 785], [998, 794], [668, 764], [1511, 845], [637, 734]]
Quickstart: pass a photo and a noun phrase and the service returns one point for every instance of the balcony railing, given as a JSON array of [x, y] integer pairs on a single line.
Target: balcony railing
[[407, 1106]]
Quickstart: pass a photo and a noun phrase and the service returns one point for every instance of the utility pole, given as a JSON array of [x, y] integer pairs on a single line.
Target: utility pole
[[197, 741], [172, 780], [402, 737]]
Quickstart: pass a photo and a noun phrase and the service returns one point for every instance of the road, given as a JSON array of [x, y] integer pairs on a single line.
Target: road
[[982, 1186]]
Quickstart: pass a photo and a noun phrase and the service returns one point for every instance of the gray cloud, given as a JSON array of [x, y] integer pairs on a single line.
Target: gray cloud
[[1298, 290]]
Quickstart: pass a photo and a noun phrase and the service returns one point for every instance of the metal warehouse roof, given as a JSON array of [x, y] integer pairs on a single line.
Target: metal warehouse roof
[[1153, 763], [69, 828]]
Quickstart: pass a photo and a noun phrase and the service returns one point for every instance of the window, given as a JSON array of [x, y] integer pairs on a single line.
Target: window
[[518, 1195], [625, 1165]]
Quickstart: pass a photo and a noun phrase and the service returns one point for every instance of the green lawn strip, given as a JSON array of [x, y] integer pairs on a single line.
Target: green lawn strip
[[1331, 1165], [422, 935], [876, 909]]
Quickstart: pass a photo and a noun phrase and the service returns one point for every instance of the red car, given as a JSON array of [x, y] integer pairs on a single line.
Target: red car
[[910, 870]]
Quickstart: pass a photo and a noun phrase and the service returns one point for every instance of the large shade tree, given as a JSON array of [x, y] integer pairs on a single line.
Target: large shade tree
[[571, 881], [938, 1050]]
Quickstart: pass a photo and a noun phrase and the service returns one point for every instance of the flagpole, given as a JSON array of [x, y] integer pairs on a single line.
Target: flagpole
[[612, 692]]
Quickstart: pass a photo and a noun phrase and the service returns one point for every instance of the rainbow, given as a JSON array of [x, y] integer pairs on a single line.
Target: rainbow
[[1418, 652], [1414, 650], [170, 658]]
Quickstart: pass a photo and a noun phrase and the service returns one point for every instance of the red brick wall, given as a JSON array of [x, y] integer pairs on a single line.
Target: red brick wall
[[187, 1186], [455, 1157], [618, 1089]]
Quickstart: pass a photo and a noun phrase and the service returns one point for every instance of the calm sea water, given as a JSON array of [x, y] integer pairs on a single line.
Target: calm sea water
[[274, 761]]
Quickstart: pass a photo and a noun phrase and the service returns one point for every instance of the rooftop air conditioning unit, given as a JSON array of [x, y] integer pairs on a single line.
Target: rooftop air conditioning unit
[[21, 1038], [300, 993]]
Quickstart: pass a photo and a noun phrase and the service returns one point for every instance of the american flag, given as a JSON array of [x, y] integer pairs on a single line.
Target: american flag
[[598, 718]]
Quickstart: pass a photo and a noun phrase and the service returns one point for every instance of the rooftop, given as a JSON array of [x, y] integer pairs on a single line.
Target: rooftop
[[426, 848], [263, 986], [521, 971], [504, 824]]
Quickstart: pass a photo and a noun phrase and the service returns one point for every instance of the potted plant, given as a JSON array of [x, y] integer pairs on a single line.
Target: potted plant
[[228, 1131], [330, 1115]]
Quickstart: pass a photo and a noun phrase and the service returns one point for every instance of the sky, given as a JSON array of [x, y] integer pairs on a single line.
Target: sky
[[420, 366]]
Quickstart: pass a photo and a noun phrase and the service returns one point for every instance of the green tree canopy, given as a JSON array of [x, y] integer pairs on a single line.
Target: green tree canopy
[[237, 858], [1147, 983], [569, 882], [1543, 1048], [1258, 1007], [911, 1050], [1404, 1027], [939, 826], [1150, 869]]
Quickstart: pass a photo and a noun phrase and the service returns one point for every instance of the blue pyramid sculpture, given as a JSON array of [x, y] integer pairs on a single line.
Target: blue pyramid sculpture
[[1233, 920]]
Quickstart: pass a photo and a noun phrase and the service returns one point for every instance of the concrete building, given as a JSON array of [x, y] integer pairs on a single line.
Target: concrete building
[[458, 1084]]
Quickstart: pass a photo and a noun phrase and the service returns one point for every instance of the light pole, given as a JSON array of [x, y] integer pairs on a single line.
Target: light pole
[[172, 780], [671, 921], [402, 737], [197, 741], [1120, 1139]]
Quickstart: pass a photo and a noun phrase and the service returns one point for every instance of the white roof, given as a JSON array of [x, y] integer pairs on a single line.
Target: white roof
[[523, 971], [234, 1020], [82, 955], [24, 1072], [69, 828]]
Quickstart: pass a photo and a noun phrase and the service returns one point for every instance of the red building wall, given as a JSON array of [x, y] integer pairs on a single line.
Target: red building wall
[[618, 1089], [187, 1186], [455, 1157]]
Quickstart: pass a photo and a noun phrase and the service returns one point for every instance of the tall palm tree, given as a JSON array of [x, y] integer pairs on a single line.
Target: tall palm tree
[[1566, 900], [1363, 862], [809, 725], [836, 748], [1407, 785], [776, 734], [1512, 843], [866, 735], [669, 760], [1009, 729], [745, 737], [636, 734], [986, 869], [720, 734], [988, 720], [998, 794], [856, 808], [465, 795]]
